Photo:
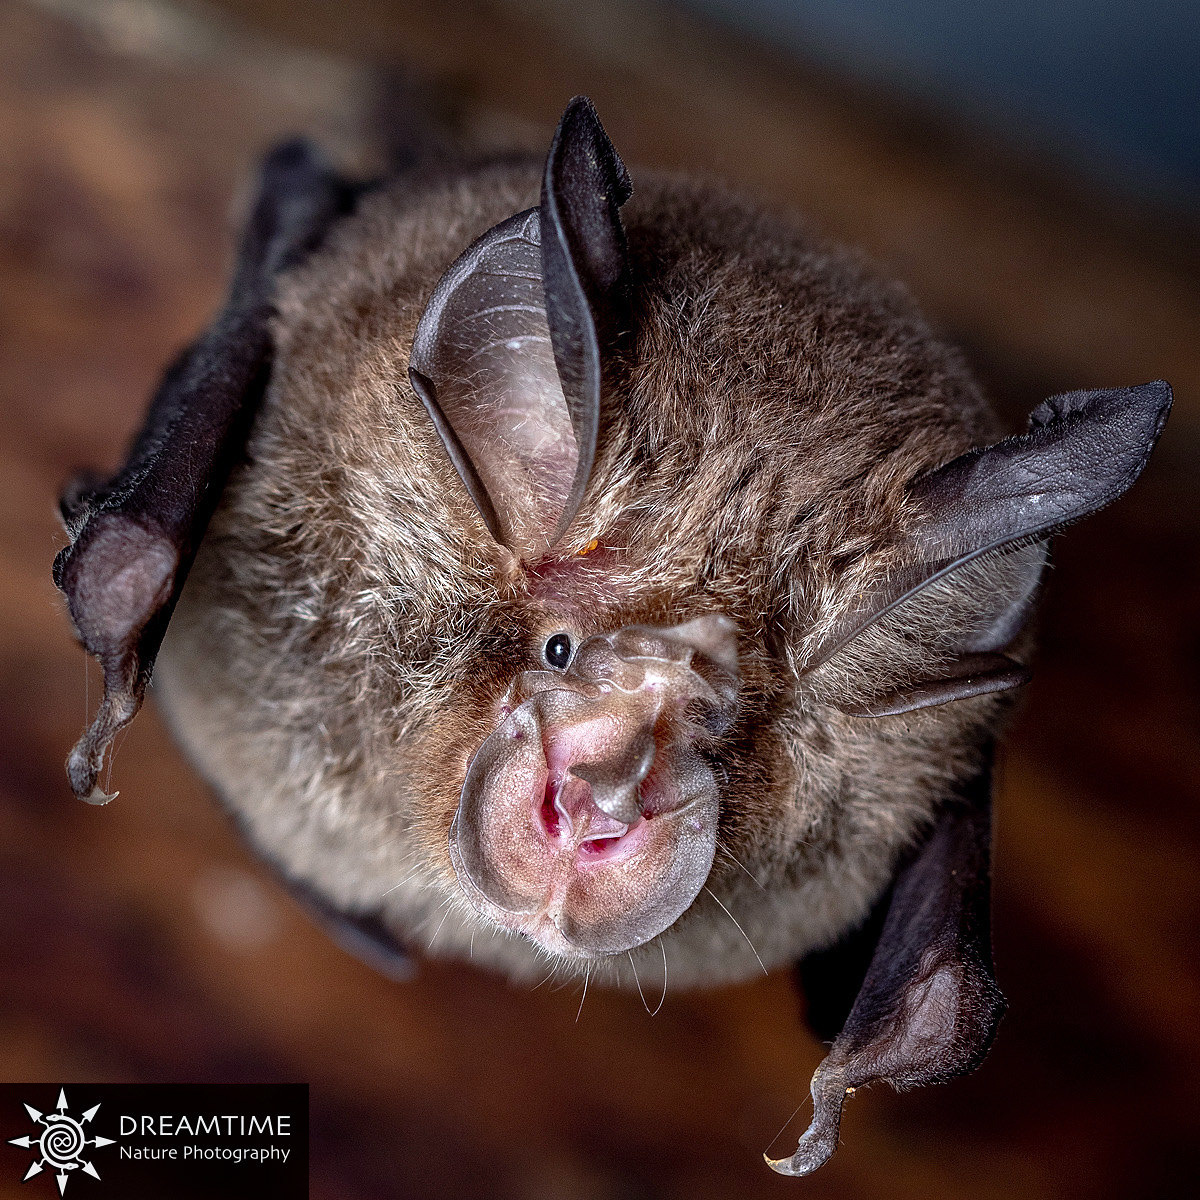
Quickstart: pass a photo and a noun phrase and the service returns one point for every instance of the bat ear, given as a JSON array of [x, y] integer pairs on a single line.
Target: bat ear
[[508, 357], [1082, 450], [927, 1007], [134, 537]]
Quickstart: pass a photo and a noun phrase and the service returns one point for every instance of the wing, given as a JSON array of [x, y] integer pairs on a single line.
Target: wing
[[913, 990], [134, 537], [927, 1007], [364, 935]]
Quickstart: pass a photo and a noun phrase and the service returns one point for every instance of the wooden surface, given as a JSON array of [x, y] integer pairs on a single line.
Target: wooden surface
[[140, 941]]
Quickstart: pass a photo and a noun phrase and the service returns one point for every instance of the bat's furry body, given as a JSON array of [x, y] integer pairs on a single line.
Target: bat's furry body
[[330, 661], [631, 574]]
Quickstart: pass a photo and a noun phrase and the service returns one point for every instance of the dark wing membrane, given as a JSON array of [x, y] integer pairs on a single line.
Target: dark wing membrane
[[364, 935], [133, 538], [928, 1006]]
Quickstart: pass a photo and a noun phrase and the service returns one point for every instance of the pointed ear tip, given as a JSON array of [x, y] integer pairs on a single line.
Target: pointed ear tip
[[581, 109], [1162, 396], [1157, 395], [1152, 402], [1153, 399]]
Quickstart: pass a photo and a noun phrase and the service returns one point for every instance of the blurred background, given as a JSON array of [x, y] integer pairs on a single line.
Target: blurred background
[[1033, 172]]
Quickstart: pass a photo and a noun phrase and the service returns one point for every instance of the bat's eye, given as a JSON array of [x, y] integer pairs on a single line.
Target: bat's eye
[[557, 650]]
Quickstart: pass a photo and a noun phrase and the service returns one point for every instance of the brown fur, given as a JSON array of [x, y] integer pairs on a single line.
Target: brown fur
[[348, 621]]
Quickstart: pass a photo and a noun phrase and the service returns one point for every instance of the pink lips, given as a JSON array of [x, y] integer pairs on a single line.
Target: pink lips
[[570, 819]]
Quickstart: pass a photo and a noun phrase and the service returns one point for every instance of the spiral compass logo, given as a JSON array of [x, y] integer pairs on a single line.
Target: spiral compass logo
[[62, 1145]]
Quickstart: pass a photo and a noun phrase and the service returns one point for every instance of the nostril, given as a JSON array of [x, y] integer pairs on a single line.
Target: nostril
[[554, 814], [551, 817]]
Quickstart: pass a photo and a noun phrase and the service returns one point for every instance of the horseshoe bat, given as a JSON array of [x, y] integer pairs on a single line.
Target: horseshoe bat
[[555, 569]]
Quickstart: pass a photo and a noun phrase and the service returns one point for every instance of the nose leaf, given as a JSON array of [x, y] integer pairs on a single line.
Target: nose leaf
[[615, 780], [624, 734]]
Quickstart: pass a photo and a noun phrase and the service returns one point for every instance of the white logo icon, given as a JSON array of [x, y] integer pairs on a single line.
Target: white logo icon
[[62, 1145]]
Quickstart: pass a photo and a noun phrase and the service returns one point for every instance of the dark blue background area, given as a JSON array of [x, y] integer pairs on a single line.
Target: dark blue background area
[[1112, 85]]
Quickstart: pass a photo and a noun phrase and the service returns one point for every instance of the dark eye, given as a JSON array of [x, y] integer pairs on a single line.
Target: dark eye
[[557, 650]]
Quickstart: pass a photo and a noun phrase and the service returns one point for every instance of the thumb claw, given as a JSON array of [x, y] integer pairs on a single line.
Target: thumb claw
[[99, 796], [816, 1147]]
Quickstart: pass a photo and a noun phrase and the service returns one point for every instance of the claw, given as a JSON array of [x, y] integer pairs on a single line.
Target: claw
[[829, 1092]]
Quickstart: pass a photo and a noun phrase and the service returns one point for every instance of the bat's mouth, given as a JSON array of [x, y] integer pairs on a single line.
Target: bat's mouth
[[571, 821], [588, 817]]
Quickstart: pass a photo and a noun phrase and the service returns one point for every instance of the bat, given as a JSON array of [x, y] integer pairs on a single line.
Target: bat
[[547, 570]]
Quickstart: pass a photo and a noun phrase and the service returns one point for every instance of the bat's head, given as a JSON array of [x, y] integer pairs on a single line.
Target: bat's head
[[588, 815]]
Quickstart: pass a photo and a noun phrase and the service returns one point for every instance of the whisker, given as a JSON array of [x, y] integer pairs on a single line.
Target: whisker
[[638, 981], [429, 917], [663, 998], [726, 850], [739, 928], [407, 879], [429, 945], [397, 885], [586, 980]]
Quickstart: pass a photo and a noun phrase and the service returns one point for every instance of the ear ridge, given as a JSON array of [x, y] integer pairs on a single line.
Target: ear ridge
[[457, 452], [508, 354], [133, 539], [482, 365], [585, 266], [1082, 451]]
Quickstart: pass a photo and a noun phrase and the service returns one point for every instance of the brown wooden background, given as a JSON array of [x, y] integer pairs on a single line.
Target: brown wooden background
[[140, 942]]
